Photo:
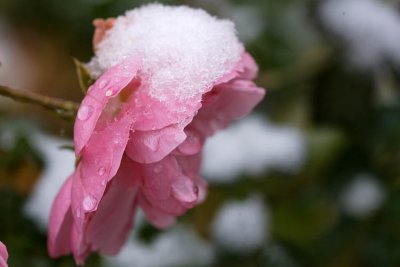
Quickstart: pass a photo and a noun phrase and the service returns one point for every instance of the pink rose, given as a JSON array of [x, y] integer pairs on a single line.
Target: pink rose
[[169, 78], [3, 255]]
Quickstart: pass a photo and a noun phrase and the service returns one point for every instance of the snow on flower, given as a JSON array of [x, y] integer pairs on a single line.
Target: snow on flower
[[371, 28], [3, 255], [168, 77]]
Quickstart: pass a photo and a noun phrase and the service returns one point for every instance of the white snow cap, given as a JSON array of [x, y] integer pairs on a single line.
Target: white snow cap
[[251, 146], [183, 50], [363, 196], [371, 28], [241, 226]]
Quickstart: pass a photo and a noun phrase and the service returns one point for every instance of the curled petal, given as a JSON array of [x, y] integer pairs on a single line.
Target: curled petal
[[61, 221], [167, 188], [225, 103], [192, 144], [109, 85], [250, 68], [191, 167], [155, 216], [115, 211], [100, 162], [79, 248], [3, 255], [152, 146]]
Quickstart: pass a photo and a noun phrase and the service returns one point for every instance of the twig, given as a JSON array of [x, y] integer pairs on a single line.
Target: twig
[[67, 109]]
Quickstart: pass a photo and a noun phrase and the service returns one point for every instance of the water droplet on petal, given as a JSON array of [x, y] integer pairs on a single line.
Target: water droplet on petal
[[85, 112], [184, 190], [101, 171], [117, 139], [89, 203], [103, 84], [104, 182], [158, 169], [151, 142], [109, 93], [78, 212]]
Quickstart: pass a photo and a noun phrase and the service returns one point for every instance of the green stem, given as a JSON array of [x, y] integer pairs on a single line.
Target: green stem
[[67, 109]]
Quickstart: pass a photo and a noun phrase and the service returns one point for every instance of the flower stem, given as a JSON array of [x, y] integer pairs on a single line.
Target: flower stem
[[66, 109]]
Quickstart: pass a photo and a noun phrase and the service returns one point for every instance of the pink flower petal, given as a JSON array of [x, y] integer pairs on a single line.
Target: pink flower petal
[[109, 85], [152, 146], [225, 103], [100, 161], [155, 216], [158, 187], [193, 143], [184, 190], [191, 168], [115, 211], [250, 69], [61, 221], [3, 255], [79, 248], [152, 114]]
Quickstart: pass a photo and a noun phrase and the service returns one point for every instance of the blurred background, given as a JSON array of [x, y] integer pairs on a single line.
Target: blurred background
[[311, 178]]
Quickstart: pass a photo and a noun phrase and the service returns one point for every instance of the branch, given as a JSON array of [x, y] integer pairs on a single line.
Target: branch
[[66, 109]]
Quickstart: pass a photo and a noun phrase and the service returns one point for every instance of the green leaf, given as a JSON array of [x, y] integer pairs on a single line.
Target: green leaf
[[84, 78]]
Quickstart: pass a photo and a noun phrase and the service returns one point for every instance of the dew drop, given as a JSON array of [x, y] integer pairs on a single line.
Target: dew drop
[[102, 84], [109, 93], [89, 203], [184, 190], [85, 112], [101, 171], [158, 169], [151, 142], [117, 139], [78, 212]]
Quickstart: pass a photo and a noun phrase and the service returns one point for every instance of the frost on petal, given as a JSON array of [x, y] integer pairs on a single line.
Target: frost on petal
[[3, 255], [161, 190], [115, 211], [109, 85], [152, 146], [61, 221]]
